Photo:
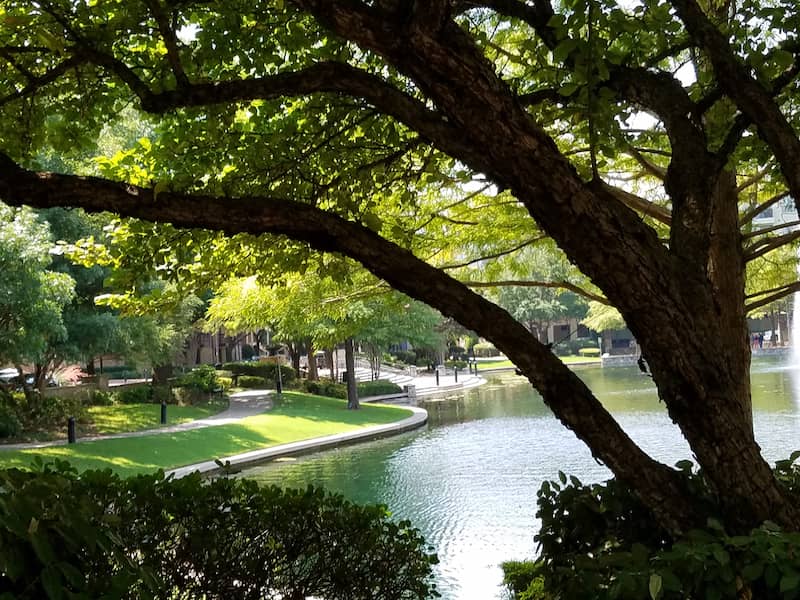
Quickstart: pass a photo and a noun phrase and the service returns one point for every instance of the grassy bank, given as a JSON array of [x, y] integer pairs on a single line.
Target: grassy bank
[[507, 364], [297, 417]]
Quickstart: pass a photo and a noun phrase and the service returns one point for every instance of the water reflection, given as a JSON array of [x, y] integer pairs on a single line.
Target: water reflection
[[469, 480]]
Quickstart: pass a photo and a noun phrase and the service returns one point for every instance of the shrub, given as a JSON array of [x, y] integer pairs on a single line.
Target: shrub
[[599, 541], [10, 425], [456, 364], [485, 350], [325, 388], [523, 580], [377, 388], [261, 369], [139, 394], [47, 413], [589, 352], [250, 381], [202, 378], [102, 398], [148, 536]]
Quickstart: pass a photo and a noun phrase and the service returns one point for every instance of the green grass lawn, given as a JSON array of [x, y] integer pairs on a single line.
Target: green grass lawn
[[500, 364], [119, 418], [297, 417]]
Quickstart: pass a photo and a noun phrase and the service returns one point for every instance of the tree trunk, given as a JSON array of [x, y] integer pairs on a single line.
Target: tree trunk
[[312, 362], [350, 365]]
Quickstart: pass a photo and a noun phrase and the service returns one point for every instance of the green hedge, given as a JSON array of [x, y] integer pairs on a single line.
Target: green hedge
[[251, 381], [151, 537], [339, 390], [377, 388], [261, 369]]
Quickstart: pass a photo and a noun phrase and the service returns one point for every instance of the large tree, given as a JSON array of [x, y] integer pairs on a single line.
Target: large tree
[[322, 120]]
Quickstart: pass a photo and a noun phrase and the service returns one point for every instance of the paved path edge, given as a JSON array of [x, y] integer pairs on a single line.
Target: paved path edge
[[418, 418]]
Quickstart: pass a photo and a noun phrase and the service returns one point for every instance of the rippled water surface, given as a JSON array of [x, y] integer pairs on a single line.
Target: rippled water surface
[[468, 481]]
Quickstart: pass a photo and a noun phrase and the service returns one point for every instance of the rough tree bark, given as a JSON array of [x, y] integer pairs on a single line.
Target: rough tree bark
[[350, 366]]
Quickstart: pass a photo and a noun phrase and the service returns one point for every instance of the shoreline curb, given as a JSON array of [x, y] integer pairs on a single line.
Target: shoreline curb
[[418, 418]]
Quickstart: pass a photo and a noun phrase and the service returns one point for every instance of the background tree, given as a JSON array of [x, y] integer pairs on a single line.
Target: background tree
[[32, 299], [321, 120]]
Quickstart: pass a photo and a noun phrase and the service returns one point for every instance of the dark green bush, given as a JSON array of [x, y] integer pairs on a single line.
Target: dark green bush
[[102, 398], [377, 388], [599, 541], [202, 378], [268, 371], [339, 390], [456, 364], [250, 381], [192, 538], [47, 413], [10, 425], [139, 394], [325, 388]]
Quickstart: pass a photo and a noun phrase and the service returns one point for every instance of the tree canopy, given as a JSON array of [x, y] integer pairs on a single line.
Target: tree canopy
[[426, 140]]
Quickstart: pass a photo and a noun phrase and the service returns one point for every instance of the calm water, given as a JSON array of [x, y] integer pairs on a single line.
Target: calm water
[[469, 480]]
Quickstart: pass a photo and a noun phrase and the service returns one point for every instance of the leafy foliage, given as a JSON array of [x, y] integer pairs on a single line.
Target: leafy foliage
[[202, 378], [265, 370], [148, 536], [31, 298], [599, 541], [339, 390]]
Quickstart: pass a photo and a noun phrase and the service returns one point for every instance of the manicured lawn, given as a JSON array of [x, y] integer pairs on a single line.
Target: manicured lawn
[[500, 364], [136, 417], [297, 417], [580, 359]]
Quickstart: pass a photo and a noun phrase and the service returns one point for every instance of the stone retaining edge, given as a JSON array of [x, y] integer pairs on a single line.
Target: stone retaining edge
[[248, 459]]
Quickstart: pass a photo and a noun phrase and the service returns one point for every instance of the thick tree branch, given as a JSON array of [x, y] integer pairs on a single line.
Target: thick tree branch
[[767, 230], [768, 245], [639, 204], [566, 285], [498, 254], [38, 82], [564, 392], [759, 208], [748, 94], [774, 295], [170, 41]]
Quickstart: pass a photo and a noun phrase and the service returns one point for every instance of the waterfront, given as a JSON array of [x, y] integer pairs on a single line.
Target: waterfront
[[469, 480]]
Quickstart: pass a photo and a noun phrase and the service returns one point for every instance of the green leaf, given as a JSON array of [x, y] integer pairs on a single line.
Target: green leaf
[[655, 586], [790, 581]]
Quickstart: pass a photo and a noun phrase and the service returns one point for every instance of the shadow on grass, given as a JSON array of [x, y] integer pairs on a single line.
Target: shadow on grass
[[296, 417]]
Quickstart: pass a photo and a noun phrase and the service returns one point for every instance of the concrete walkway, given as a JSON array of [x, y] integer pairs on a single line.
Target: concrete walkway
[[242, 404]]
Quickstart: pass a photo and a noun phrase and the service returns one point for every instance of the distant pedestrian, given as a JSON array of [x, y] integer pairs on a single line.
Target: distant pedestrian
[[760, 340]]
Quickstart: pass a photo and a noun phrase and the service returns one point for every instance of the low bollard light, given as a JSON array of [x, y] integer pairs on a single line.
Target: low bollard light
[[71, 430], [163, 413]]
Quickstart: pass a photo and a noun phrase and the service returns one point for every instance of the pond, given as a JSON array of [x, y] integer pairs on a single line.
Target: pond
[[468, 481]]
